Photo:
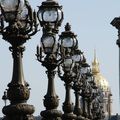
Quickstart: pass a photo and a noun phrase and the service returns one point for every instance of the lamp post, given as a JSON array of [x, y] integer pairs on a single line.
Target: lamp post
[[68, 106], [116, 23], [90, 93], [85, 69], [89, 101], [95, 110], [98, 113], [68, 43], [97, 104], [18, 24], [77, 57], [50, 16]]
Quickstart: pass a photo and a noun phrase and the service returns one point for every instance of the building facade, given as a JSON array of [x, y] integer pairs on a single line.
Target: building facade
[[102, 83]]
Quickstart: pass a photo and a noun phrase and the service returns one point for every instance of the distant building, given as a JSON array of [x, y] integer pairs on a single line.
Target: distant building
[[103, 84], [115, 117], [37, 118]]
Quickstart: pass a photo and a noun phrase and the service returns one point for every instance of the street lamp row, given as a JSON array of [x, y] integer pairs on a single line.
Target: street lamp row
[[18, 23]]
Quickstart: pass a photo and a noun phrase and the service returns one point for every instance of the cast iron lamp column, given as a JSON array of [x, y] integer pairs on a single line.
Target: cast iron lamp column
[[77, 57], [89, 100], [116, 23], [98, 111], [68, 106], [85, 69], [90, 86], [95, 109], [50, 16], [97, 106], [89, 94], [49, 61], [19, 27], [68, 43]]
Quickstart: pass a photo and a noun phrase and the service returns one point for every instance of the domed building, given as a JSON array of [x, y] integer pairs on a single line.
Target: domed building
[[103, 85]]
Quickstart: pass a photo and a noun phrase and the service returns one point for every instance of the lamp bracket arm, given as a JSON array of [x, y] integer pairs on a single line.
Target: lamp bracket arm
[[39, 58]]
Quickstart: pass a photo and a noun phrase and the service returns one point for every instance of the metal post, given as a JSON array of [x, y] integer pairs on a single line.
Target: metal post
[[51, 100], [18, 91], [68, 106], [116, 23]]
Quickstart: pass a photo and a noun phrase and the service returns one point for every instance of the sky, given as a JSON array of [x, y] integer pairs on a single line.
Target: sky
[[90, 21]]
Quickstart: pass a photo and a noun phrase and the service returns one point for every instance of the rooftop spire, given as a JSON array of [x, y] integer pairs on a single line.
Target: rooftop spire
[[95, 64], [95, 58]]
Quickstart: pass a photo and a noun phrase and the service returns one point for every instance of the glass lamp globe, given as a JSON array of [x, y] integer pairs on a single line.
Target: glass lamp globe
[[48, 44], [84, 68], [67, 39], [50, 12], [50, 16], [77, 56], [23, 16], [67, 42], [89, 73], [67, 64], [10, 8]]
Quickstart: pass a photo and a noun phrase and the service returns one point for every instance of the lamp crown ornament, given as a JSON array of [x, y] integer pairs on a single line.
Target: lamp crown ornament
[[67, 27]]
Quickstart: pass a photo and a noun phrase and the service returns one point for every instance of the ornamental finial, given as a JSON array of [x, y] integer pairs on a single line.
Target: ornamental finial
[[67, 27]]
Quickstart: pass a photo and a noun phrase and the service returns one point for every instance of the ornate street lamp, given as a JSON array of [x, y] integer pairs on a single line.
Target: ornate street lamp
[[49, 60], [91, 87], [97, 104], [85, 69], [68, 44], [50, 16], [97, 110], [77, 57], [116, 23], [18, 24], [89, 100], [68, 106]]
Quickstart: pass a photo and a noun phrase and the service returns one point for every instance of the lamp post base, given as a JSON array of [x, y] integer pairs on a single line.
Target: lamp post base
[[21, 111], [52, 114], [68, 116], [80, 118]]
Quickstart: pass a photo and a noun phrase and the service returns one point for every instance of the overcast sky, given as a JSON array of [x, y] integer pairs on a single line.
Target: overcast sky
[[90, 20]]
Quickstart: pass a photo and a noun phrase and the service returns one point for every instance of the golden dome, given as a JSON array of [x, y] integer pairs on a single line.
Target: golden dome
[[99, 79], [101, 82]]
